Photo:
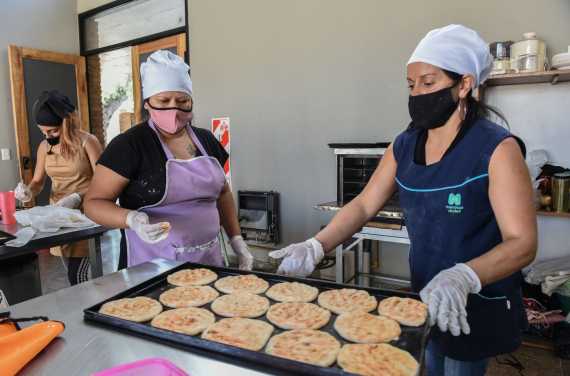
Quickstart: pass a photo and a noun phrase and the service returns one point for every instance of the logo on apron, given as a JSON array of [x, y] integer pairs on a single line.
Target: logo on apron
[[454, 203]]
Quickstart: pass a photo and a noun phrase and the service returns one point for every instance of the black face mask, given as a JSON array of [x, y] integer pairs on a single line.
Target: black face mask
[[429, 111], [52, 141]]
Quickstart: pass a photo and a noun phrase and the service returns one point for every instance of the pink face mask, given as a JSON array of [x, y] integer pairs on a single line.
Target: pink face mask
[[170, 121]]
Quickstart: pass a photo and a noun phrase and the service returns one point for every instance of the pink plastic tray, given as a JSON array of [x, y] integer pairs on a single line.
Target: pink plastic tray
[[145, 367]]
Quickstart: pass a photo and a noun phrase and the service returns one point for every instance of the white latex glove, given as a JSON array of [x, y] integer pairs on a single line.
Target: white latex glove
[[149, 233], [22, 192], [299, 259], [242, 251], [446, 296], [72, 201]]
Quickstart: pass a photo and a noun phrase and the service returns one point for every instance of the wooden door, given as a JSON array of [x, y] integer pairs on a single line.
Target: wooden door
[[32, 72], [141, 52]]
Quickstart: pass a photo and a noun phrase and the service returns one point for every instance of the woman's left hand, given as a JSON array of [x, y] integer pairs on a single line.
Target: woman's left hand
[[72, 201], [242, 251], [446, 296]]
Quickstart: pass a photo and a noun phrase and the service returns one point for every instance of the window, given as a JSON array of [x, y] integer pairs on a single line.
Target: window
[[124, 23]]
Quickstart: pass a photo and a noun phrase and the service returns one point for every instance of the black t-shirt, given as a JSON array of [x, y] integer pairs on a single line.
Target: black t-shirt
[[138, 156]]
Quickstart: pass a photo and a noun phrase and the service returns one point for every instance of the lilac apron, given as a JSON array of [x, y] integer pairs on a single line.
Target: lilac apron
[[189, 204]]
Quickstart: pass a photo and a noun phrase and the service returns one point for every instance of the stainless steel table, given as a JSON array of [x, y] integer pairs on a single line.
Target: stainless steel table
[[19, 269], [84, 348], [64, 236]]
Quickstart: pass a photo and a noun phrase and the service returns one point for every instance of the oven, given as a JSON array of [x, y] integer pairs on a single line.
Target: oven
[[355, 165]]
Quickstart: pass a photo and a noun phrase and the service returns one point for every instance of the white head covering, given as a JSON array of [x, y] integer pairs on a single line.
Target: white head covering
[[455, 48], [165, 71]]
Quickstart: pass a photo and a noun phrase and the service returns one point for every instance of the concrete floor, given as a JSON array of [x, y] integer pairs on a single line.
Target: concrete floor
[[536, 362]]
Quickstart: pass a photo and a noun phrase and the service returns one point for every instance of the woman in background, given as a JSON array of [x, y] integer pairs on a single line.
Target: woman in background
[[68, 156]]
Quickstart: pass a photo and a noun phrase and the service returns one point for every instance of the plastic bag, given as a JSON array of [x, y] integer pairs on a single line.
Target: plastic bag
[[564, 289], [23, 237], [52, 218], [538, 272]]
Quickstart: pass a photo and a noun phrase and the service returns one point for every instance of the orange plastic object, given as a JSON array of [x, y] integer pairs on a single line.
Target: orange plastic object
[[7, 328], [18, 348]]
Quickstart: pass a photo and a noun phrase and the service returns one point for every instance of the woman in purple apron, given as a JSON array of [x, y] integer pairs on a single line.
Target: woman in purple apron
[[168, 178]]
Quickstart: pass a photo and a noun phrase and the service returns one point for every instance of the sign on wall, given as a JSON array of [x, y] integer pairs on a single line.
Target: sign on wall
[[221, 129]]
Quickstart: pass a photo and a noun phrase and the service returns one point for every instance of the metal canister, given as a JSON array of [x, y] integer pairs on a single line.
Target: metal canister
[[561, 192]]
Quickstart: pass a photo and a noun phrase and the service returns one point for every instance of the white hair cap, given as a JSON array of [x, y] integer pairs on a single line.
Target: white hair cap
[[165, 71], [455, 48]]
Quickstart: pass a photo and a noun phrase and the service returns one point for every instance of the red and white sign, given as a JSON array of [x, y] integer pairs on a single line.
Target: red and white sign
[[221, 129]]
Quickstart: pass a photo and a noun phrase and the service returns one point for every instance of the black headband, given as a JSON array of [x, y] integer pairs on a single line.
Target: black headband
[[51, 108]]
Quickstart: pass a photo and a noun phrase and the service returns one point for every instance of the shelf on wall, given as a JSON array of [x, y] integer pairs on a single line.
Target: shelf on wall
[[552, 214], [552, 76]]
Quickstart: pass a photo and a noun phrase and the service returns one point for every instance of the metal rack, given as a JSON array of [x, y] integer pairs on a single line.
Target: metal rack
[[371, 231]]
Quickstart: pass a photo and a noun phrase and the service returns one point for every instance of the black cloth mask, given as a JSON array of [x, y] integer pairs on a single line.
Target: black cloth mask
[[429, 111], [52, 141]]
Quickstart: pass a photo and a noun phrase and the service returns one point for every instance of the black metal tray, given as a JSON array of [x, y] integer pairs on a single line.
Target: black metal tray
[[412, 339]]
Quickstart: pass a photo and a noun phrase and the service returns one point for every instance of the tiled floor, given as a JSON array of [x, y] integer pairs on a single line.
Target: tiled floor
[[535, 362]]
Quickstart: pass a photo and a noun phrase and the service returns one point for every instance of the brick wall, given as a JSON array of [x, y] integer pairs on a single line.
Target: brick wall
[[95, 100]]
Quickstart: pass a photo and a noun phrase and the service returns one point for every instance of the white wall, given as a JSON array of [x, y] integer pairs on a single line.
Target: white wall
[[45, 24], [540, 114]]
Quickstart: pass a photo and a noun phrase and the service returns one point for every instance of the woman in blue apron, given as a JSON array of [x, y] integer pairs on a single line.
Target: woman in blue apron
[[467, 200], [168, 178]]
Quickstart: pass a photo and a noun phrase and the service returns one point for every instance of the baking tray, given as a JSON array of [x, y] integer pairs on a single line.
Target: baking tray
[[412, 339]]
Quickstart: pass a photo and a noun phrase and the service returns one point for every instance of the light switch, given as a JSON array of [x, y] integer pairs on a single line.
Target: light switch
[[6, 154]]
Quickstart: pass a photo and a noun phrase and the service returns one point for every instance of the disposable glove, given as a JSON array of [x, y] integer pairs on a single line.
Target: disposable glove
[[446, 297], [149, 233], [242, 251], [22, 192], [299, 259]]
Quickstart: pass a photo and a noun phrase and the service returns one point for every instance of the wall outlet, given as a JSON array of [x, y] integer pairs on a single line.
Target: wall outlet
[[5, 154]]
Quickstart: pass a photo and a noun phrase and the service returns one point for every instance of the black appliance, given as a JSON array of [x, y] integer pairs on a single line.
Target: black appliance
[[258, 213]]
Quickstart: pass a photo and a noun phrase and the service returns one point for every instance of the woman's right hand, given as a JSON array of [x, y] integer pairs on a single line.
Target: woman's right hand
[[299, 259], [22, 192], [149, 233]]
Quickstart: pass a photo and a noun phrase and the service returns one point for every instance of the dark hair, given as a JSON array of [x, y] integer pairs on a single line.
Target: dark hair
[[475, 108]]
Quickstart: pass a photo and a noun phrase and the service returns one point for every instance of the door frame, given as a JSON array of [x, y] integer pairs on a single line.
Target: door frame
[[178, 41], [16, 56]]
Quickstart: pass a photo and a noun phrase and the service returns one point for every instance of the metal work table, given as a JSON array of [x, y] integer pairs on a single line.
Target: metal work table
[[369, 232], [83, 349], [19, 255], [54, 239]]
